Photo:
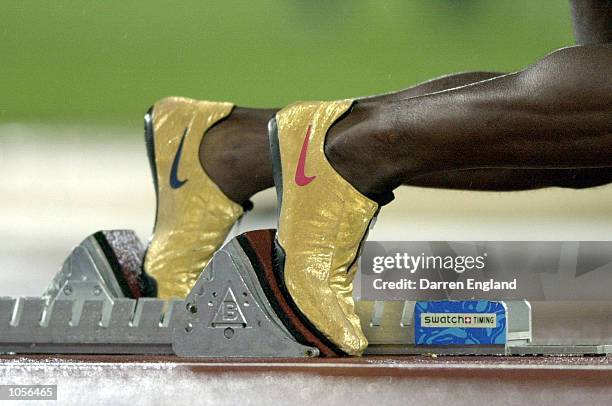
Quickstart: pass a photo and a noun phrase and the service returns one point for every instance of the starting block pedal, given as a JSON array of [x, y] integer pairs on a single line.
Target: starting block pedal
[[229, 314], [90, 305], [98, 304]]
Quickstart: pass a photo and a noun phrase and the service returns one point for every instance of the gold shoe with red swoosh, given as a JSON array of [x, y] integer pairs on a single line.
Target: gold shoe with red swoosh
[[193, 215], [322, 223]]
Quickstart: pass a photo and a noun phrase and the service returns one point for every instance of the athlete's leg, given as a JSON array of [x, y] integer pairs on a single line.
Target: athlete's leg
[[225, 145], [592, 21], [235, 151], [505, 180], [556, 113], [592, 25]]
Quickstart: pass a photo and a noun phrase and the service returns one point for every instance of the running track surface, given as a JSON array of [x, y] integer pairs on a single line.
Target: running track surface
[[384, 380]]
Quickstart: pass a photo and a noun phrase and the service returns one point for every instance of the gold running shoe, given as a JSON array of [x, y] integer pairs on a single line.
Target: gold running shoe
[[322, 223], [193, 215]]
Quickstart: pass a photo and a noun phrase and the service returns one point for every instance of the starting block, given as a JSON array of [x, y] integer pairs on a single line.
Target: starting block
[[236, 309]]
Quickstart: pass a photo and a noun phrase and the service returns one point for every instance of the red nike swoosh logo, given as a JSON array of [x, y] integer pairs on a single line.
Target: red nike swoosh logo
[[300, 177]]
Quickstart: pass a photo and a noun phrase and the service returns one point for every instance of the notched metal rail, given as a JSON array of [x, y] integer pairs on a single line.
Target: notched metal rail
[[124, 326]]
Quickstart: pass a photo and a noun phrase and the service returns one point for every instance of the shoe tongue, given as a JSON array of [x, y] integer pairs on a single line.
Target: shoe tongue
[[381, 198]]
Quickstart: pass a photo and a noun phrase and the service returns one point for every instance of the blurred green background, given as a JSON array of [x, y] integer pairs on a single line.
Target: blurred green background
[[92, 61]]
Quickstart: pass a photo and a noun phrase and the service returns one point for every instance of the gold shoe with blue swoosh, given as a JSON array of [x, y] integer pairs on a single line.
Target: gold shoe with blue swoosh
[[193, 215], [322, 223]]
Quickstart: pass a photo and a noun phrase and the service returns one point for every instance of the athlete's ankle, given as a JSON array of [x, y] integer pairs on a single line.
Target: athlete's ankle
[[365, 150], [235, 154]]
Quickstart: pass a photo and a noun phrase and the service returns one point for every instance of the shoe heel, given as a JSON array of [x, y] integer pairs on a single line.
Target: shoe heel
[[150, 145], [276, 161]]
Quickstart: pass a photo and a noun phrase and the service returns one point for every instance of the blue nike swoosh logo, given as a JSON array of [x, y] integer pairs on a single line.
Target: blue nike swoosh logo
[[175, 182]]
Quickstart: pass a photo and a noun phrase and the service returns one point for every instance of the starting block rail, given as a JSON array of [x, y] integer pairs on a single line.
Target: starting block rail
[[227, 314]]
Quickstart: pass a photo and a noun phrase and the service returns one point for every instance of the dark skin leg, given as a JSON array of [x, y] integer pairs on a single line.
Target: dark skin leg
[[242, 169], [555, 114], [495, 179], [235, 152], [506, 180], [224, 147], [592, 21], [592, 25]]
